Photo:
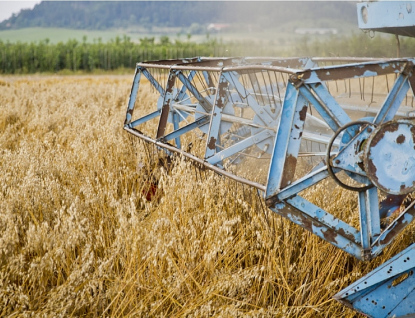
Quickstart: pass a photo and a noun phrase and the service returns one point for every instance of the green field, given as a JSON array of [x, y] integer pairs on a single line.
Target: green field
[[280, 36], [56, 35]]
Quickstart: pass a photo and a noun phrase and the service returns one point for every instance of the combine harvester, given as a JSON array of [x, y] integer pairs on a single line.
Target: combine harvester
[[288, 126]]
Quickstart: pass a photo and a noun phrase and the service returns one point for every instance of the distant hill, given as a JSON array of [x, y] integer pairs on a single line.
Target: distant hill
[[101, 15]]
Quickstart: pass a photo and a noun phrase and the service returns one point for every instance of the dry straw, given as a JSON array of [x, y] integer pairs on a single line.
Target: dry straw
[[79, 238]]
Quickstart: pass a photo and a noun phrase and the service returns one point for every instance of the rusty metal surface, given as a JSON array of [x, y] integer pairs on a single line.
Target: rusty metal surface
[[165, 110], [366, 69], [389, 158]]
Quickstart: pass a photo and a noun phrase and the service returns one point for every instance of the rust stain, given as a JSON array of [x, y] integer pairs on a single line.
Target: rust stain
[[289, 170], [290, 62], [343, 233], [272, 201], [342, 72], [212, 143], [304, 221], [400, 224], [222, 90], [330, 235], [307, 223], [411, 80], [390, 127], [400, 139], [371, 169], [170, 83], [303, 113]]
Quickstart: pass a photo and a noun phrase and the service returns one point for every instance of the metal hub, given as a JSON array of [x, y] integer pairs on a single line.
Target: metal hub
[[389, 158]]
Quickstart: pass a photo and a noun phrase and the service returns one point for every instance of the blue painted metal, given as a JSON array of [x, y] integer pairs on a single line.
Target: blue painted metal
[[389, 157], [387, 291], [176, 121], [216, 116], [310, 217], [133, 97], [394, 100], [369, 218], [396, 17], [278, 160]]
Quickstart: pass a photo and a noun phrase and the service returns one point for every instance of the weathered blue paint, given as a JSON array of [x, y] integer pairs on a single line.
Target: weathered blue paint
[[349, 156], [330, 105], [369, 219], [182, 93], [314, 225], [327, 220], [387, 291], [282, 139], [390, 157], [133, 97], [394, 100], [394, 229], [176, 121], [307, 181], [396, 17], [216, 117]]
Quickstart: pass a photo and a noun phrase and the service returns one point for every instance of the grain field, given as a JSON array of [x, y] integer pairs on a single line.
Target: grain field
[[78, 237]]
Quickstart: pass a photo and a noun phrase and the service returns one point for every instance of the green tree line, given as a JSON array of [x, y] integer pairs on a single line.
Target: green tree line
[[23, 58]]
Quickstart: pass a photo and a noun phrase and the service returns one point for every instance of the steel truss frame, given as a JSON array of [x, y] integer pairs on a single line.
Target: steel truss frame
[[306, 87]]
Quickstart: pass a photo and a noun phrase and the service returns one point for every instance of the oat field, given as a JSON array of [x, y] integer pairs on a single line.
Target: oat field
[[78, 237]]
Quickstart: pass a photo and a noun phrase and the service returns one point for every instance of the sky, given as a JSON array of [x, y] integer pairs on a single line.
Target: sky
[[7, 8]]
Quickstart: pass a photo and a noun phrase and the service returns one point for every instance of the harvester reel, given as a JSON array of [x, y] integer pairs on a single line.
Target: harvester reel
[[248, 107]]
